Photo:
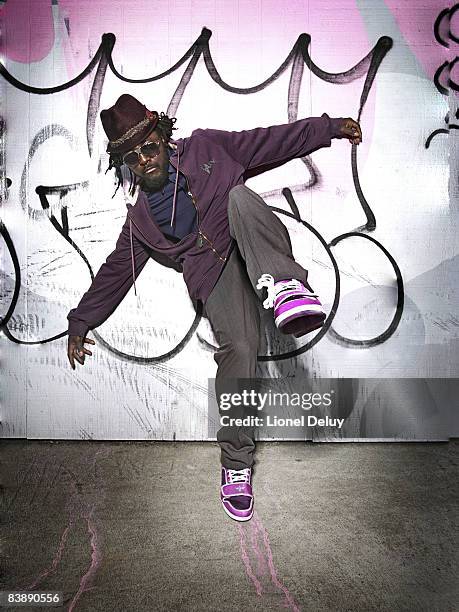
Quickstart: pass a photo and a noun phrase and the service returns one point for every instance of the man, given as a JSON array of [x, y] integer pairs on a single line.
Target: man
[[194, 211]]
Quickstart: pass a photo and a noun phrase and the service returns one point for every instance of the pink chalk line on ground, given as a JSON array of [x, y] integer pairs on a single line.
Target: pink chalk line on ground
[[264, 559], [78, 508]]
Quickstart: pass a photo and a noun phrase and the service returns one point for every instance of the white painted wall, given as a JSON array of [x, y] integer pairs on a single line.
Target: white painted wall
[[409, 188]]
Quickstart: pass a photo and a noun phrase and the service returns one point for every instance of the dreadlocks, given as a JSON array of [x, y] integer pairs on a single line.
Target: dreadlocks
[[164, 128]]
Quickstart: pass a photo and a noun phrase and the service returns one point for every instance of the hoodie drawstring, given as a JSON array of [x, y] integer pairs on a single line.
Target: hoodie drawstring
[[175, 188], [132, 256]]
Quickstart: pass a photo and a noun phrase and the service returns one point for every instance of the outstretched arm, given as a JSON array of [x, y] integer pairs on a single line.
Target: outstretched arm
[[279, 143], [110, 285]]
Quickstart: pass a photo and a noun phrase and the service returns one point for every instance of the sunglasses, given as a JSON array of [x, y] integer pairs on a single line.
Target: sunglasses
[[148, 149]]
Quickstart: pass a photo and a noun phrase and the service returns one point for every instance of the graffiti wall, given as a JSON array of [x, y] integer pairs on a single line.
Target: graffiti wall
[[375, 225]]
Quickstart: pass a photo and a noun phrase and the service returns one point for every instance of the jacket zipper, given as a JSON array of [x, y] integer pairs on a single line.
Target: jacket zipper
[[200, 232]]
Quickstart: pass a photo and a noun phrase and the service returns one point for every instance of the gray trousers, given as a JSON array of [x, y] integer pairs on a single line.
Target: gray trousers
[[262, 247]]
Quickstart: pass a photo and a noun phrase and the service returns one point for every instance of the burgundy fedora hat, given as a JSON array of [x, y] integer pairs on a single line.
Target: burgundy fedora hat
[[127, 123]]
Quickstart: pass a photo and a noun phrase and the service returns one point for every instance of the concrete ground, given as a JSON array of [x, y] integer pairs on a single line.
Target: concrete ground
[[134, 526]]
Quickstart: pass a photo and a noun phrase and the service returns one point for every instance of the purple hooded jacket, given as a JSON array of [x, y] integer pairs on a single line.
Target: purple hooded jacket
[[213, 162]]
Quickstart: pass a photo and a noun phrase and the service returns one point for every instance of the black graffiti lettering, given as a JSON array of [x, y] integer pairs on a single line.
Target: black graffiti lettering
[[444, 17], [298, 57]]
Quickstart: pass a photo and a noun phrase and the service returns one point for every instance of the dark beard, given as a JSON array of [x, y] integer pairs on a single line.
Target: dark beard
[[156, 183]]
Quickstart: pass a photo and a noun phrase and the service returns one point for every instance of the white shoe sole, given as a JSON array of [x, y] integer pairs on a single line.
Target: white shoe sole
[[304, 310], [239, 519]]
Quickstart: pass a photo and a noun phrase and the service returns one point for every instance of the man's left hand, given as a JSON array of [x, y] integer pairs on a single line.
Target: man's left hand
[[351, 129]]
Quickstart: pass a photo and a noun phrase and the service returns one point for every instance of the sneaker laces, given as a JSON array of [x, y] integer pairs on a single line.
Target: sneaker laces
[[266, 280], [239, 475], [274, 289]]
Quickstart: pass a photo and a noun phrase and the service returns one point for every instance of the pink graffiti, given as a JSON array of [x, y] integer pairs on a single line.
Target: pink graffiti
[[30, 39], [264, 559], [56, 559], [290, 603], [415, 23], [27, 30], [246, 560], [78, 508], [259, 555], [96, 558]]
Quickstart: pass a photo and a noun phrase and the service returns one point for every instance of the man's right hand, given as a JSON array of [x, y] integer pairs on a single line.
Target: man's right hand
[[351, 129], [77, 350]]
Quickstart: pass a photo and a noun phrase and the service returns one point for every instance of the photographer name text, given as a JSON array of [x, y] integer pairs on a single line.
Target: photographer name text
[[274, 421]]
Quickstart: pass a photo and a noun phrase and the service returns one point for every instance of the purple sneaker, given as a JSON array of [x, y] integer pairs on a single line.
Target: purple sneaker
[[236, 493], [297, 311]]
